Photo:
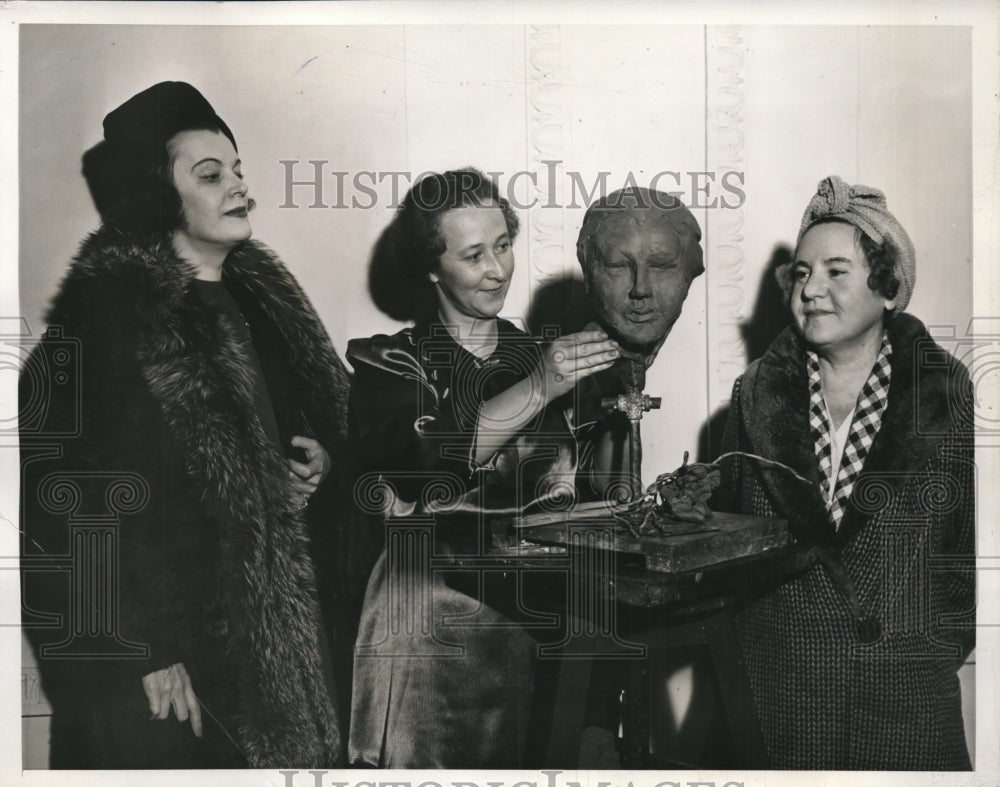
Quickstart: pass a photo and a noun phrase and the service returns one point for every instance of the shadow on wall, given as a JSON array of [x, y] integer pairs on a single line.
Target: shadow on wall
[[770, 312], [562, 303], [770, 316]]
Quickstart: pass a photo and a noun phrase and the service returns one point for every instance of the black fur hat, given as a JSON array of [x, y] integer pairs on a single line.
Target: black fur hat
[[126, 172], [145, 123]]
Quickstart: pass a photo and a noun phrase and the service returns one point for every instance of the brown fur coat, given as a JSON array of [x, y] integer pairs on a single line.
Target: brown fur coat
[[214, 569]]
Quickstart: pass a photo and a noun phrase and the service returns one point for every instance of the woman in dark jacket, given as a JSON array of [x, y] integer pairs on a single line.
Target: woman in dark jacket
[[455, 417], [853, 648], [206, 405]]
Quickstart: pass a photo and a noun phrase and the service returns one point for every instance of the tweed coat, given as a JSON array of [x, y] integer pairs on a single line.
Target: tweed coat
[[853, 644], [213, 557]]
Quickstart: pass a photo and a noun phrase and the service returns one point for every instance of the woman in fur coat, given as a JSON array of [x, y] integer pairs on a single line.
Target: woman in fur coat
[[202, 426], [853, 646]]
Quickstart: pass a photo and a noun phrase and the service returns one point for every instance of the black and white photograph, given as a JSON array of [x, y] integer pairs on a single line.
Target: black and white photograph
[[506, 393]]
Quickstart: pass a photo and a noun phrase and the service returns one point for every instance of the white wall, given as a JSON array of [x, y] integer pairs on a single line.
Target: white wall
[[888, 107], [885, 106]]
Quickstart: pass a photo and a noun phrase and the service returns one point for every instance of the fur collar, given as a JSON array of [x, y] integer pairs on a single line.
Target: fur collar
[[152, 286], [928, 389], [200, 377]]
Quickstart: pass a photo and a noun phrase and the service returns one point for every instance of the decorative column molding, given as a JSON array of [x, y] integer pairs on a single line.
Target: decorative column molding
[[546, 113], [725, 106]]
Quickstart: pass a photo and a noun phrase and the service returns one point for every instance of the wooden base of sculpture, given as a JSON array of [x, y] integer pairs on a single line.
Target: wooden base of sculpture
[[680, 547]]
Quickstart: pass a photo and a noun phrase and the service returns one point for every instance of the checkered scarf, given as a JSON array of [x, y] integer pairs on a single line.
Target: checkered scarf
[[864, 426]]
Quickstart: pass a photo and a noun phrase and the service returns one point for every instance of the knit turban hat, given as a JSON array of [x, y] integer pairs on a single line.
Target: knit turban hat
[[865, 208]]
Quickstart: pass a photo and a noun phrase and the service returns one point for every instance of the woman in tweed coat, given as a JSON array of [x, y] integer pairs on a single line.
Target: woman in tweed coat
[[854, 641]]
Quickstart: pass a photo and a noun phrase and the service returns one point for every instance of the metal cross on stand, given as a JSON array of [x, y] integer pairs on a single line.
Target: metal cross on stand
[[633, 403]]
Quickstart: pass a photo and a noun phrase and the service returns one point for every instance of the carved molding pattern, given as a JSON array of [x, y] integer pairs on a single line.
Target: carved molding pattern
[[725, 103], [546, 111]]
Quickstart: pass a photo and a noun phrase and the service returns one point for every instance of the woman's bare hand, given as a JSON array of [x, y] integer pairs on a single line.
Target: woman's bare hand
[[171, 687], [563, 364], [571, 358], [307, 477]]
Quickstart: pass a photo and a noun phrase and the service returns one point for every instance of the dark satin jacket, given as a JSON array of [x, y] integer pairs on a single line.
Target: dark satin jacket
[[432, 692], [415, 403]]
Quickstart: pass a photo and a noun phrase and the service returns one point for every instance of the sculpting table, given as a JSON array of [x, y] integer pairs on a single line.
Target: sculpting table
[[630, 595]]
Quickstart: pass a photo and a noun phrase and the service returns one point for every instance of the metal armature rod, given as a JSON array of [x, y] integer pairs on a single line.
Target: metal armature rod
[[635, 458], [632, 404]]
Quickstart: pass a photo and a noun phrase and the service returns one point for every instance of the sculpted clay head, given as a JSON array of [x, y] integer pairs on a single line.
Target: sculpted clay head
[[640, 251]]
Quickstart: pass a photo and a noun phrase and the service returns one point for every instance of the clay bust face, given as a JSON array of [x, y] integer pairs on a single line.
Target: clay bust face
[[638, 266]]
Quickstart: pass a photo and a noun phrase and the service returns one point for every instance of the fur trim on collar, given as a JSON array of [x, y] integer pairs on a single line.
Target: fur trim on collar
[[201, 378], [929, 399]]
